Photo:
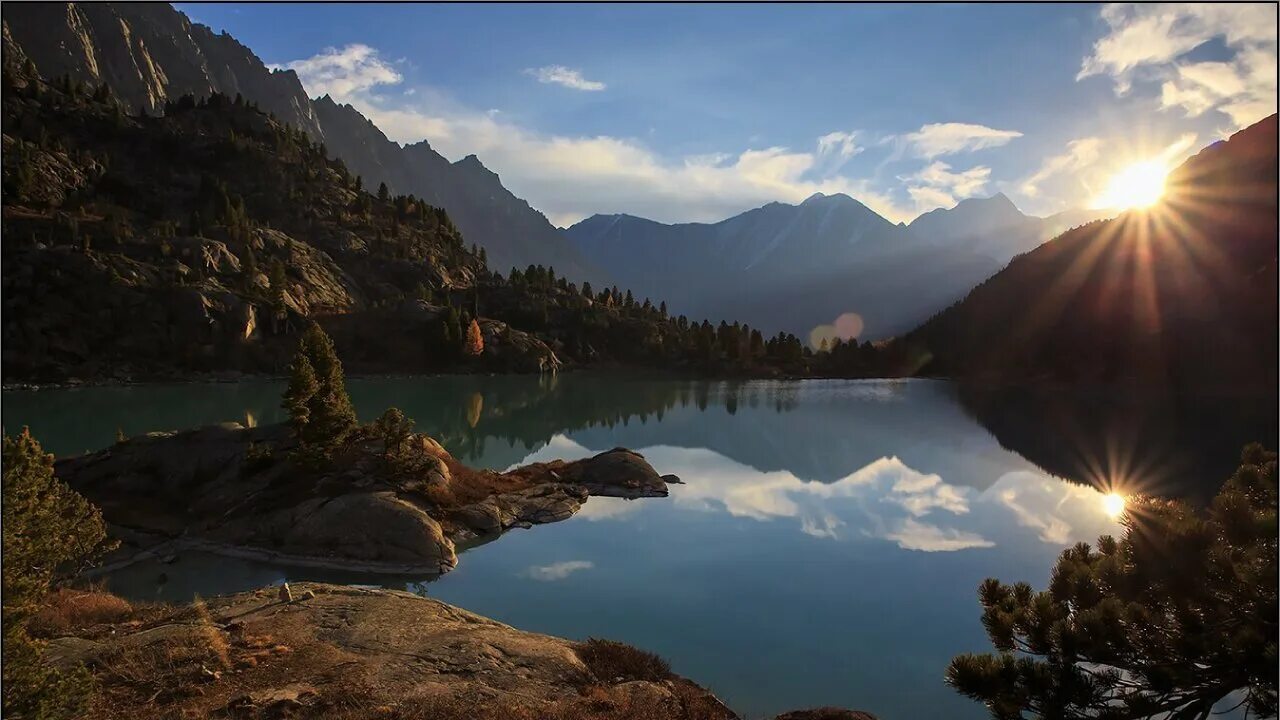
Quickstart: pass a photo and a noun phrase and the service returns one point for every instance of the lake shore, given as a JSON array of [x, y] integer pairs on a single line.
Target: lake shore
[[314, 650]]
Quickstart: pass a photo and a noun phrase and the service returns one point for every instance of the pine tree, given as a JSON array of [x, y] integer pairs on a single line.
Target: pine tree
[[1175, 617], [383, 193], [302, 387], [317, 399], [46, 526], [394, 428]]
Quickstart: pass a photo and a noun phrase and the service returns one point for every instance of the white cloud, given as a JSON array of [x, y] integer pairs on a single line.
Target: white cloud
[[571, 177], [1148, 42], [911, 534], [842, 144], [1079, 154], [936, 185], [558, 570], [1060, 512], [343, 73], [568, 77], [938, 139], [822, 526]]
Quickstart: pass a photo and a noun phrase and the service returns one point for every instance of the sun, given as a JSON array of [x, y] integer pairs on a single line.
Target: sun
[[1139, 185], [1113, 505]]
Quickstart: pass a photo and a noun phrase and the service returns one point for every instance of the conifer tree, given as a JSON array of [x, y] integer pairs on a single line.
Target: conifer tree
[[302, 387], [1175, 617], [46, 526], [317, 399]]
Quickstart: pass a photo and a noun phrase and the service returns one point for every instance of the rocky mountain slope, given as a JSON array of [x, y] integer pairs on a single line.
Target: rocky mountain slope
[[204, 239], [151, 54], [1180, 295], [995, 227]]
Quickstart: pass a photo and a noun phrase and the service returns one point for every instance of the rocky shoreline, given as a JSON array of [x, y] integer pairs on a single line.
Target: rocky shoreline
[[241, 492], [331, 651]]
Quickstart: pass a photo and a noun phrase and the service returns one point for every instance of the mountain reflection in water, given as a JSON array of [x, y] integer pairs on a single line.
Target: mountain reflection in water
[[825, 549]]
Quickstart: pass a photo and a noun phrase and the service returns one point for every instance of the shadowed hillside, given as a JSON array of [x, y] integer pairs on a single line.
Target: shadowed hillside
[[1180, 295]]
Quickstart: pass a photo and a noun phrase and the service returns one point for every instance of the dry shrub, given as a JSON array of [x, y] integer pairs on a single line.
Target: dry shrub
[[612, 661], [134, 676], [67, 610], [212, 635], [440, 495]]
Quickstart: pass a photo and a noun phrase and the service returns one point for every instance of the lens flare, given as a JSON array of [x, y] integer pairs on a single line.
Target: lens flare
[[1113, 505]]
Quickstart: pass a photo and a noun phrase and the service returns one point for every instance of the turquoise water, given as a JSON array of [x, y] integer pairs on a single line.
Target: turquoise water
[[825, 550]]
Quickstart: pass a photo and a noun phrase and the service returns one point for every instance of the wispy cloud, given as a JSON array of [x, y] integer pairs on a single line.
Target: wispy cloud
[[843, 144], [912, 534], [342, 73], [1147, 43], [568, 77], [1079, 154], [558, 570], [936, 185], [937, 139], [569, 177]]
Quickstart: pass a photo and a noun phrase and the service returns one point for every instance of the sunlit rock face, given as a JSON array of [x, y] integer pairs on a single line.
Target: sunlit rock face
[[149, 53]]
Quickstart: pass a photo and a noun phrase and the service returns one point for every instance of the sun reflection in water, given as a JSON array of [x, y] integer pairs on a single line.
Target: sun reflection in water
[[1113, 505]]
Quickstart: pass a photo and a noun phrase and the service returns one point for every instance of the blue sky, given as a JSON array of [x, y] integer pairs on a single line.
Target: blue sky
[[697, 112]]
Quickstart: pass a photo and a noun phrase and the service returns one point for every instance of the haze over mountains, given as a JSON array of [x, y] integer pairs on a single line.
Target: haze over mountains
[[795, 267]]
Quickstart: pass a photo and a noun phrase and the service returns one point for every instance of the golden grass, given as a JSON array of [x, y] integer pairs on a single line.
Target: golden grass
[[68, 610]]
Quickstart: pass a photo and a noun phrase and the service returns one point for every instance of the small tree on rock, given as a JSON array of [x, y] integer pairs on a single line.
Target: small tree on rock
[[317, 400], [474, 342], [394, 429]]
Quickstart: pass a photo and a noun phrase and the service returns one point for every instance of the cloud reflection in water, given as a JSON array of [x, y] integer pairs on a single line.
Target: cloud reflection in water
[[885, 499]]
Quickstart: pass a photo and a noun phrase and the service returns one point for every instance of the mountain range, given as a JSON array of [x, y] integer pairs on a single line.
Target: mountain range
[[804, 265], [796, 267]]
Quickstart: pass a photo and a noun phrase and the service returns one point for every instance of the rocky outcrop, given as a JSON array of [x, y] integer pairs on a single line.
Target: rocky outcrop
[[240, 491], [509, 350], [254, 655], [321, 651]]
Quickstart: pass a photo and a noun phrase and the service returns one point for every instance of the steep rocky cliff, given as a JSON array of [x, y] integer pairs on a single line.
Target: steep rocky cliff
[[150, 54]]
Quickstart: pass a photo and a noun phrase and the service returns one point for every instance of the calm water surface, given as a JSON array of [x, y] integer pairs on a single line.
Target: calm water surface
[[825, 550]]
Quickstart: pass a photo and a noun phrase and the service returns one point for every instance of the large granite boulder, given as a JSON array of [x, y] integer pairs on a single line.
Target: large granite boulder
[[377, 527], [509, 350], [619, 473]]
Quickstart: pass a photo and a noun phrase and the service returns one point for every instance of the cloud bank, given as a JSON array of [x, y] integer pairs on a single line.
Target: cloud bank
[[1148, 43]]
